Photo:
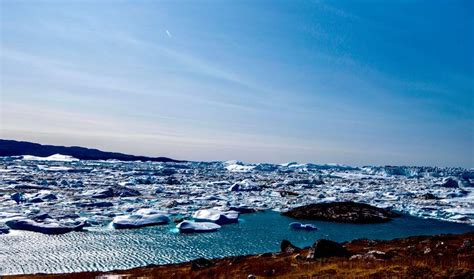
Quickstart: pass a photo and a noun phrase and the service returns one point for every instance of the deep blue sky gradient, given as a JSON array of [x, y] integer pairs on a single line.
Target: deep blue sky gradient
[[352, 82]]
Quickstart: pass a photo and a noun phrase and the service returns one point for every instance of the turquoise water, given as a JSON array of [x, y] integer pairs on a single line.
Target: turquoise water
[[27, 252]]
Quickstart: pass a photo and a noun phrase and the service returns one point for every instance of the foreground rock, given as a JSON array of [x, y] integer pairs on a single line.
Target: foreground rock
[[287, 247], [47, 227], [344, 212], [442, 256], [324, 248]]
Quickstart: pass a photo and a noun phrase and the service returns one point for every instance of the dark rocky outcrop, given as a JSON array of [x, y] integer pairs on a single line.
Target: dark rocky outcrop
[[201, 263], [4, 229], [17, 148], [287, 247], [324, 248], [450, 183], [344, 212], [243, 209]]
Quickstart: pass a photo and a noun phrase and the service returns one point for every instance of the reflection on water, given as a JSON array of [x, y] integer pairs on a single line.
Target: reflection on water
[[28, 252]]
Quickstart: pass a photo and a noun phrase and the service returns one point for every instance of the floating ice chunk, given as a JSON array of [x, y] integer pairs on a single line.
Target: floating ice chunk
[[55, 157], [198, 227], [216, 216], [289, 164], [245, 185], [239, 168], [54, 168], [47, 227], [299, 226], [42, 196], [141, 218]]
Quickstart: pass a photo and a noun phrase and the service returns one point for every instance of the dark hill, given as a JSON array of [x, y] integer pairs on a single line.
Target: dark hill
[[16, 148]]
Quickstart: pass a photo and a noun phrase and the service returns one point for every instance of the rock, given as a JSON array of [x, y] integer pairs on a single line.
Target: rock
[[17, 197], [428, 196], [216, 216], [50, 227], [142, 218], [97, 204], [197, 227], [344, 212], [200, 263], [4, 229], [449, 182], [299, 226], [243, 209], [287, 247], [324, 248]]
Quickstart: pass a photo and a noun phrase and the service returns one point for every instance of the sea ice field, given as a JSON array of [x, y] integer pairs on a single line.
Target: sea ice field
[[102, 197]]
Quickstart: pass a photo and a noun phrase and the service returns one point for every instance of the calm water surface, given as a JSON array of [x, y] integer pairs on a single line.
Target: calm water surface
[[28, 252]]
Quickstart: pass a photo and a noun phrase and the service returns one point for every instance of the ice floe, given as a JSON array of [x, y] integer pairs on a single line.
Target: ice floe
[[197, 227]]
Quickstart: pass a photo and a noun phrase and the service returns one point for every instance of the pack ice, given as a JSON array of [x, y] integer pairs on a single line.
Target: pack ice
[[59, 194]]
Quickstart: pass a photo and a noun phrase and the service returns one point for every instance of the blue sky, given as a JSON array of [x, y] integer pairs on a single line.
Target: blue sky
[[352, 82]]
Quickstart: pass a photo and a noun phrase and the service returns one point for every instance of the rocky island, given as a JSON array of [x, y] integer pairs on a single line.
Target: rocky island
[[344, 212]]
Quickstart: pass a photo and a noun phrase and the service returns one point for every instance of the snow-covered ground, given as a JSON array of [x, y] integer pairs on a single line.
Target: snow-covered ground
[[66, 190]]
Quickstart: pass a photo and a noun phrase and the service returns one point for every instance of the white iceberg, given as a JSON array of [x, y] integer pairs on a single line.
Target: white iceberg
[[199, 227], [141, 218], [306, 227], [216, 216], [55, 157], [245, 185], [47, 227]]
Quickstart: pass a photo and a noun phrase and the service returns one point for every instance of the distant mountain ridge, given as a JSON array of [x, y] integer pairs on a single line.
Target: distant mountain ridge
[[17, 148]]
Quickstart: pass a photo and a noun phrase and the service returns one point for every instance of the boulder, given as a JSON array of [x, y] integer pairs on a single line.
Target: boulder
[[197, 227], [324, 248], [4, 229], [18, 197], [344, 212], [243, 209], [287, 247], [200, 263], [450, 182]]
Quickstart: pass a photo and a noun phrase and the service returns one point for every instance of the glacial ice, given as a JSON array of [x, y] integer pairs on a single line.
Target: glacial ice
[[55, 157], [47, 226], [299, 226], [99, 191], [216, 216], [141, 218], [199, 227]]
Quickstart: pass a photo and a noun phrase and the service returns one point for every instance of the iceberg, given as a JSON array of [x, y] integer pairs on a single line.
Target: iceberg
[[245, 185], [299, 226], [216, 216], [55, 157], [47, 227], [141, 218], [197, 227]]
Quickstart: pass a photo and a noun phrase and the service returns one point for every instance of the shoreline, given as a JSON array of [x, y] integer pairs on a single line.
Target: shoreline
[[446, 255]]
